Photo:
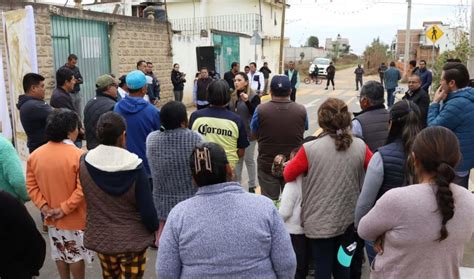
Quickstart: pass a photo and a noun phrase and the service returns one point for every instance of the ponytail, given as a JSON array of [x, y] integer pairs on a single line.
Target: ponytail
[[335, 120], [437, 150], [444, 197]]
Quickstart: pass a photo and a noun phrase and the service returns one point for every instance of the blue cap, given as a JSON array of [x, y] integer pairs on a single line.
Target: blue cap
[[280, 83], [135, 80]]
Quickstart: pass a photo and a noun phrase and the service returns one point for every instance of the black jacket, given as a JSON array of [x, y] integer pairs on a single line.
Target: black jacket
[[61, 99], [230, 78], [33, 115], [176, 79], [97, 106], [22, 245], [77, 75], [422, 99], [154, 88], [266, 72]]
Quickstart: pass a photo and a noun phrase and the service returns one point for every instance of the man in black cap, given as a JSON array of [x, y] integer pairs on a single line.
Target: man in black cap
[[278, 126], [104, 101]]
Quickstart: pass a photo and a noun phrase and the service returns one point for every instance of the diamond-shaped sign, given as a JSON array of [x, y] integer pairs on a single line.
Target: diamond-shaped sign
[[434, 33]]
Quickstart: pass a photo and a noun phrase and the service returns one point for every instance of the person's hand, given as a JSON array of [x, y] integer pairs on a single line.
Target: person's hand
[[378, 245], [440, 95], [46, 211], [57, 213], [244, 97]]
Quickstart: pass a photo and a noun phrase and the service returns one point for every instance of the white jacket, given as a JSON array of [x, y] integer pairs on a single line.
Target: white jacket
[[290, 206], [256, 81]]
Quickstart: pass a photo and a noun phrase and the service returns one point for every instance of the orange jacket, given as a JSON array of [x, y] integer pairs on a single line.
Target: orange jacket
[[52, 178]]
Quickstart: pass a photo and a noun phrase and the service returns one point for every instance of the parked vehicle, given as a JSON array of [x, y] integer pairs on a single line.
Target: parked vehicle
[[322, 64]]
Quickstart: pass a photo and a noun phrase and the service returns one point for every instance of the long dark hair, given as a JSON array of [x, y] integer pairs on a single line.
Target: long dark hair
[[437, 150], [335, 120], [405, 117], [208, 164]]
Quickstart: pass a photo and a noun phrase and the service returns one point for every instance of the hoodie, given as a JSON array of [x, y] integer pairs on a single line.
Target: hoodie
[[115, 170], [142, 119], [457, 114], [33, 115]]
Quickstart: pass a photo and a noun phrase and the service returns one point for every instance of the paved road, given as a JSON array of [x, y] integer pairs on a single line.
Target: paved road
[[309, 95]]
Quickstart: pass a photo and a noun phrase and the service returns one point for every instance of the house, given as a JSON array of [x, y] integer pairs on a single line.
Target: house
[[216, 33], [338, 46], [212, 33], [421, 47]]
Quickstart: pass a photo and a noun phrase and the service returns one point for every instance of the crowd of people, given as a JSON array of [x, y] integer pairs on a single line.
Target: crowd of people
[[391, 181]]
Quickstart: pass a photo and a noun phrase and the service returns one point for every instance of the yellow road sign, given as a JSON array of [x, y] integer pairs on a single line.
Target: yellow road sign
[[434, 33]]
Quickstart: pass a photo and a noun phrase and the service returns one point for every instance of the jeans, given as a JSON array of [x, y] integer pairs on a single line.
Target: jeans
[[301, 248], [358, 259], [390, 97], [178, 95], [369, 247], [330, 80], [293, 94], [249, 159], [78, 143], [265, 90], [270, 186], [77, 103], [325, 259], [357, 83]]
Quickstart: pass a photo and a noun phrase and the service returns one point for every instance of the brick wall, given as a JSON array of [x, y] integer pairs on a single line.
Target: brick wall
[[131, 39]]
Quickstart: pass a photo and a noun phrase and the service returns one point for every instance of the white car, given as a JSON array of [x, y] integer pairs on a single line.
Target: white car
[[322, 64]]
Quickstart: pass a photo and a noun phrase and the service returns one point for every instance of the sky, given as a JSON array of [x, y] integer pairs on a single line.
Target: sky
[[363, 20]]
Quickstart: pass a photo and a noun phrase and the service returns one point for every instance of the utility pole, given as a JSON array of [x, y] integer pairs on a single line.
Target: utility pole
[[470, 62], [406, 54], [282, 38]]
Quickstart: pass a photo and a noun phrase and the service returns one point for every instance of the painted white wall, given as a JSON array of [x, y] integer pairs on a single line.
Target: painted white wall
[[184, 53], [179, 9]]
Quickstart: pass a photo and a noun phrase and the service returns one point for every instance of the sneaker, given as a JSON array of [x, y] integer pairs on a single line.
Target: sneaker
[[252, 190]]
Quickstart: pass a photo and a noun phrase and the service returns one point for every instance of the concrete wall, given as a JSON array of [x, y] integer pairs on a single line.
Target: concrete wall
[[131, 39], [293, 53]]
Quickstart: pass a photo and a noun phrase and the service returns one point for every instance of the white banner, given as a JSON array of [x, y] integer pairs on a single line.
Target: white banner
[[5, 123], [20, 42]]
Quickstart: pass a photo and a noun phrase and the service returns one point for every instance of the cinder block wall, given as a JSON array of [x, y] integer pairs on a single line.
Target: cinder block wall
[[131, 39]]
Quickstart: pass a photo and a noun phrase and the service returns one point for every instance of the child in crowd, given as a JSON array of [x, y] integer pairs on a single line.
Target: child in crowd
[[290, 210]]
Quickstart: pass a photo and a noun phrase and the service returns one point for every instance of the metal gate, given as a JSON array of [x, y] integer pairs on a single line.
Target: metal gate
[[227, 50], [89, 40]]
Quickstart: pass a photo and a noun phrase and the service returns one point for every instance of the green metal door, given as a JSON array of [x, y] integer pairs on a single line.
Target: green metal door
[[227, 50], [87, 39]]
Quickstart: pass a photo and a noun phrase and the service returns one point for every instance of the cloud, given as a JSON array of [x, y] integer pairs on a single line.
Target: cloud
[[361, 20]]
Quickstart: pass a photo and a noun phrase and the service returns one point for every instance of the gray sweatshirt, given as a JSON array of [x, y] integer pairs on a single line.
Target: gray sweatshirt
[[224, 232], [409, 219]]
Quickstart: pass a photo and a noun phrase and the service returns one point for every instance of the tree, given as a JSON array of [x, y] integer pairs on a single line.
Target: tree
[[313, 41], [374, 55]]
